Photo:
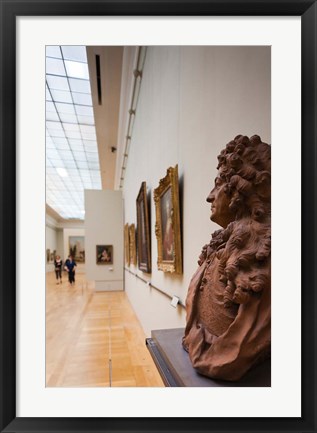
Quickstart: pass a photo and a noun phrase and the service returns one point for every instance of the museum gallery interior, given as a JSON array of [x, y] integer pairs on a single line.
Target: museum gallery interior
[[158, 216]]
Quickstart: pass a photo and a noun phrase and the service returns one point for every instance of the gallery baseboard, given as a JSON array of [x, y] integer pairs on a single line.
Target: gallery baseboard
[[108, 286]]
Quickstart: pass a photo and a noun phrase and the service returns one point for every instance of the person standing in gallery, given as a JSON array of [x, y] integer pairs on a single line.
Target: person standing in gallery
[[70, 266], [58, 263]]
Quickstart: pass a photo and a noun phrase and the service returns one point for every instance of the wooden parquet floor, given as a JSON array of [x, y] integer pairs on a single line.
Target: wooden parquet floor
[[86, 329]]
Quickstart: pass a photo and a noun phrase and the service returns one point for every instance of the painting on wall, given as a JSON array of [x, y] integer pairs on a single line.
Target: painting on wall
[[127, 244], [132, 244], [48, 255], [143, 231], [77, 248], [104, 254], [167, 225]]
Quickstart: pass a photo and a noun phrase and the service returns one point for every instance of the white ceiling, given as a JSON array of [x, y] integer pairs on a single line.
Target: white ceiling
[[106, 111]]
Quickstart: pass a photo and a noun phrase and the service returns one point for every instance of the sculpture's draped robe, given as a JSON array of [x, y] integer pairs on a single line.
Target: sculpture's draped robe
[[225, 338]]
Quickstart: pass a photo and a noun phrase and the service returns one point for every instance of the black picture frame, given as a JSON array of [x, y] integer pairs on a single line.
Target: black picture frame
[[9, 11], [143, 230]]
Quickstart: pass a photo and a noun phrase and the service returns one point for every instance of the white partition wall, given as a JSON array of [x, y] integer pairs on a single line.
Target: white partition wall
[[51, 237], [104, 226], [192, 102]]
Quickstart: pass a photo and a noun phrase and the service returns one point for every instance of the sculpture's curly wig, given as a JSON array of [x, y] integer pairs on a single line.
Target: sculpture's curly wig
[[243, 248], [245, 167]]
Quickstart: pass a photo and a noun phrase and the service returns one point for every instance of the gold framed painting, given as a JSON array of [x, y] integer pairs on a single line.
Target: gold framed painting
[[77, 248], [104, 254], [132, 244], [167, 225], [143, 230], [127, 244]]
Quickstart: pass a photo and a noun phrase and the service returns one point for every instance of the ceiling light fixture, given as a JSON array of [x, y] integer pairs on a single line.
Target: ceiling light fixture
[[62, 172]]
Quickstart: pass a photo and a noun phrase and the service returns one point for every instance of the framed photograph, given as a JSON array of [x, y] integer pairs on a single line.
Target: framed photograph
[[126, 244], [167, 225], [132, 245], [78, 410], [104, 254], [143, 230], [77, 248]]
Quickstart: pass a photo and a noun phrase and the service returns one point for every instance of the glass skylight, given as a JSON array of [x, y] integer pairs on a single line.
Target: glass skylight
[[72, 162]]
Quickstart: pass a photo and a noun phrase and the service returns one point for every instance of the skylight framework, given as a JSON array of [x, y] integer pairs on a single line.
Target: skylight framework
[[72, 161]]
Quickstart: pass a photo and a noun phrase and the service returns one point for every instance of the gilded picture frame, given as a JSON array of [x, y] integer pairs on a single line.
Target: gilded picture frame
[[167, 225], [76, 248], [143, 230], [127, 244], [104, 254], [48, 255], [132, 244]]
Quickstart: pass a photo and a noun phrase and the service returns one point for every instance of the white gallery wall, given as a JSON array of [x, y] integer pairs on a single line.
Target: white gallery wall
[[50, 243], [193, 101], [53, 240], [104, 226]]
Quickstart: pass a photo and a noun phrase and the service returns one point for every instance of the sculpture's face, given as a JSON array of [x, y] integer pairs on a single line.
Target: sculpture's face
[[220, 212]]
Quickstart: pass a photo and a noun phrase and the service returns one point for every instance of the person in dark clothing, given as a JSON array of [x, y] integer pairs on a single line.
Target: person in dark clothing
[[70, 266], [58, 263]]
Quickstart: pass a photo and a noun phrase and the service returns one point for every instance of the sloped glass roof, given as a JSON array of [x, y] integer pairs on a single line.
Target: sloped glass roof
[[72, 161]]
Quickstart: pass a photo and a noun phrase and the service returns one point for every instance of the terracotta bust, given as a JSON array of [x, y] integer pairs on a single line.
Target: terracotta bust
[[228, 305]]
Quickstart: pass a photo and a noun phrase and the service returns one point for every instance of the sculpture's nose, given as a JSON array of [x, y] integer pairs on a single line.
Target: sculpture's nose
[[211, 197]]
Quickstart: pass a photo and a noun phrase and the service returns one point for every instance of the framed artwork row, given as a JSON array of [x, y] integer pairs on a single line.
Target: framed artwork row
[[50, 256], [167, 227]]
